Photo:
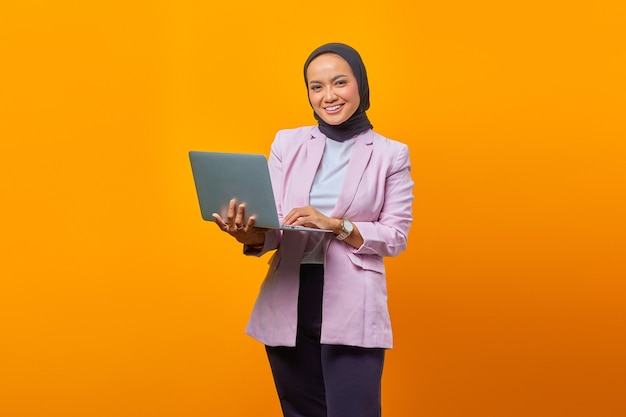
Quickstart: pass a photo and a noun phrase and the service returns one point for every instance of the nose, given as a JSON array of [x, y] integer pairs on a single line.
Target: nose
[[329, 95]]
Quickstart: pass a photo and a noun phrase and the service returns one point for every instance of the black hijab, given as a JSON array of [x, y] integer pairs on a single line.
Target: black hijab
[[358, 122]]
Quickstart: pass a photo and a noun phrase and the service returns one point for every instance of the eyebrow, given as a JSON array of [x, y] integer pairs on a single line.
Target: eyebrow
[[335, 78]]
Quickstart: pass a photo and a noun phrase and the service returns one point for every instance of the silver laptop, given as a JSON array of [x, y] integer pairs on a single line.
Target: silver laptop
[[221, 176]]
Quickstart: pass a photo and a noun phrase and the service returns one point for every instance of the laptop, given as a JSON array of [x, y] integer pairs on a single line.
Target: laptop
[[221, 176]]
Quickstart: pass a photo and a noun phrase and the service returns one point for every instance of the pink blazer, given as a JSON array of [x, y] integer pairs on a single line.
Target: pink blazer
[[376, 196]]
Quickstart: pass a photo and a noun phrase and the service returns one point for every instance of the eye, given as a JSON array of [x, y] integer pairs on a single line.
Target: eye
[[316, 87], [340, 82]]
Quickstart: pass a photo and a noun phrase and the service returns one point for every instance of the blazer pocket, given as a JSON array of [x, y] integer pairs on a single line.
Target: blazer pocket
[[368, 262]]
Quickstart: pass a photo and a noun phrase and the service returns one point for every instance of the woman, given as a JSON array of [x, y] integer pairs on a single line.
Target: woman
[[322, 308]]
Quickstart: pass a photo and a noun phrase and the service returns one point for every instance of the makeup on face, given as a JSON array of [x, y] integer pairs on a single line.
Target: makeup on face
[[333, 88], [339, 93]]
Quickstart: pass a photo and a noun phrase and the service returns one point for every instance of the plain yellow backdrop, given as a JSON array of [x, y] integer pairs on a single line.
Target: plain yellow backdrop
[[116, 299]]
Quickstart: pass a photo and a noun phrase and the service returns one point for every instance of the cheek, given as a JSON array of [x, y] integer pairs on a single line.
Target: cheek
[[353, 95]]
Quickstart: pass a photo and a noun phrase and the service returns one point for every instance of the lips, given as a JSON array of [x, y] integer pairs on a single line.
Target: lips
[[332, 109]]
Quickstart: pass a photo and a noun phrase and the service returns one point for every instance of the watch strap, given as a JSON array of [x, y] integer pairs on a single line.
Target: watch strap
[[344, 233]]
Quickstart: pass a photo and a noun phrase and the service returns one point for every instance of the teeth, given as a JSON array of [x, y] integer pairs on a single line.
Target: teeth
[[332, 108]]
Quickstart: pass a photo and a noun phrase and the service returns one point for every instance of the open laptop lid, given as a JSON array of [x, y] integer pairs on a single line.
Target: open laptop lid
[[221, 176]]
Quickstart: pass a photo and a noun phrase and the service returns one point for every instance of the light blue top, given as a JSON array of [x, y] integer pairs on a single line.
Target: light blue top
[[325, 191]]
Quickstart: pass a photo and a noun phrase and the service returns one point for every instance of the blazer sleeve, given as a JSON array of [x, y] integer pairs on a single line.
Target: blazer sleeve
[[272, 237], [387, 236]]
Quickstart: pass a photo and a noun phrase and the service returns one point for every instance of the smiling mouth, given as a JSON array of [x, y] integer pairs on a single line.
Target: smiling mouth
[[332, 108]]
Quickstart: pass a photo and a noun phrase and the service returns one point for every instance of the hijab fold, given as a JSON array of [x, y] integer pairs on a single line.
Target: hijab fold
[[358, 122]]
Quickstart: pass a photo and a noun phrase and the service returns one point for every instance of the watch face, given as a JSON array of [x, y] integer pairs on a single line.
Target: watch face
[[347, 226]]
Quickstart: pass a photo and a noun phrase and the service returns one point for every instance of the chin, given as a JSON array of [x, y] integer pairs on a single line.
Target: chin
[[333, 122]]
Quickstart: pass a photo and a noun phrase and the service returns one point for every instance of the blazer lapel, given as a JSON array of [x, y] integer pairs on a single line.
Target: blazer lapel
[[305, 169], [361, 154]]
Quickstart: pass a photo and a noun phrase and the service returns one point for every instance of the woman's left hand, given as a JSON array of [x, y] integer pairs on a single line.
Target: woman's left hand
[[310, 217]]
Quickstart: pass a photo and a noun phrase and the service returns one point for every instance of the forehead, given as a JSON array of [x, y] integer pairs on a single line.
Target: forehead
[[328, 63]]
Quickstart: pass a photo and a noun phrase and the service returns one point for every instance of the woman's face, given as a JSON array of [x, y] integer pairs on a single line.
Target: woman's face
[[333, 89]]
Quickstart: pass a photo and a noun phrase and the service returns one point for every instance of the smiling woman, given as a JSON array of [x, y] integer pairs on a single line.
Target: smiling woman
[[338, 90], [333, 89], [322, 311]]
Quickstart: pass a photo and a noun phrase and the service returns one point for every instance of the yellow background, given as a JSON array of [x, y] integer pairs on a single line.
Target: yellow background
[[116, 299]]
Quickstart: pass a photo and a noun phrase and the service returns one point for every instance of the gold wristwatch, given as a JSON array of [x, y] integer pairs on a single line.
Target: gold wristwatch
[[346, 229]]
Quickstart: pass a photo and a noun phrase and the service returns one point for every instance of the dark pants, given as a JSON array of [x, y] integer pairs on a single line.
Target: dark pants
[[315, 380]]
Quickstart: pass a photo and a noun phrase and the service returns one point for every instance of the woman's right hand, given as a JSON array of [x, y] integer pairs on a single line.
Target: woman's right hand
[[234, 225]]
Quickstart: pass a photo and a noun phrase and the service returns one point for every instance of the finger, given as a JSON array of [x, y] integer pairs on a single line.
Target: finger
[[241, 211], [250, 224], [301, 219], [219, 221], [231, 211], [292, 216], [287, 217]]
